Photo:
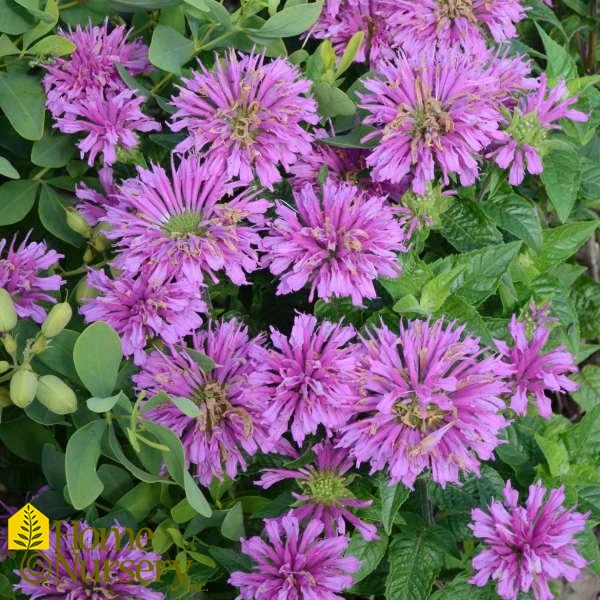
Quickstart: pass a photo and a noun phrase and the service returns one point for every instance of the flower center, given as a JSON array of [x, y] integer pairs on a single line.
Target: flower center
[[415, 416], [213, 397], [455, 9], [245, 123], [526, 129], [184, 223], [325, 487], [431, 121]]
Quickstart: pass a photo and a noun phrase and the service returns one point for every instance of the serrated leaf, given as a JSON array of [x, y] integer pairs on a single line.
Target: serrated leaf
[[588, 394], [392, 498], [560, 64], [414, 565], [560, 243], [555, 453], [370, 554], [562, 178]]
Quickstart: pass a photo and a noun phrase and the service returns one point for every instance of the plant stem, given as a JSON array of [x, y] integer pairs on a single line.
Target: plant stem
[[592, 41], [426, 506]]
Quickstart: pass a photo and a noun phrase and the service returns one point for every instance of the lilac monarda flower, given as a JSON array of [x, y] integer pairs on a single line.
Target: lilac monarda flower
[[524, 139], [341, 19], [247, 113], [431, 399], [430, 111], [295, 564], [340, 240], [111, 123], [92, 67], [186, 225], [527, 546], [454, 23], [301, 375], [325, 495], [231, 421], [21, 276], [94, 574], [92, 204], [534, 372], [143, 307]]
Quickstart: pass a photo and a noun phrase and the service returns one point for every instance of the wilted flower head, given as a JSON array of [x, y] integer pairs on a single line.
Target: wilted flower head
[[528, 546], [436, 110], [185, 225], [248, 114], [20, 276], [107, 570], [454, 23], [231, 409], [325, 495], [341, 19], [110, 121], [143, 307], [302, 375], [340, 240], [294, 564], [533, 371], [430, 400], [92, 67], [523, 141]]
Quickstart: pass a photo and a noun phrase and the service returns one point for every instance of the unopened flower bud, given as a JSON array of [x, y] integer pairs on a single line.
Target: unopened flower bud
[[10, 344], [88, 255], [8, 315], [100, 242], [58, 318], [84, 292], [56, 395], [23, 386], [4, 366], [39, 345], [77, 223]]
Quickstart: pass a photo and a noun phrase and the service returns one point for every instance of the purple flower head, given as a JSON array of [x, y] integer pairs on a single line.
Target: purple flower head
[[294, 564], [231, 420], [534, 372], [454, 23], [111, 123], [248, 114], [341, 19], [524, 139], [93, 204], [95, 574], [430, 400], [20, 269], [92, 67], [325, 495], [527, 546], [434, 111], [143, 307], [302, 377], [339, 240], [185, 225]]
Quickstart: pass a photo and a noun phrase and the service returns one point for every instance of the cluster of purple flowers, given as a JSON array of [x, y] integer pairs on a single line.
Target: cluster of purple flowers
[[422, 396]]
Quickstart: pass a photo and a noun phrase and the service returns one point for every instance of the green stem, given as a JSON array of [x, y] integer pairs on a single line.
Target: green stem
[[426, 506], [39, 175]]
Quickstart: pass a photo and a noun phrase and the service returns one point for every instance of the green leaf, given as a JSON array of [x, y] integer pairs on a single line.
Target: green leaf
[[466, 226], [588, 394], [53, 216], [22, 101], [169, 50], [32, 7], [129, 5], [82, 454], [53, 45], [414, 565], [232, 527], [7, 170], [140, 500], [562, 178], [186, 406], [555, 453], [58, 356], [518, 216], [53, 466], [26, 438], [16, 200], [332, 101], [230, 559], [436, 291], [560, 243], [101, 405], [14, 19], [460, 589], [290, 21], [97, 356], [195, 497], [559, 65], [7, 47], [392, 498], [53, 150], [456, 307], [203, 361], [370, 554], [44, 26], [350, 53]]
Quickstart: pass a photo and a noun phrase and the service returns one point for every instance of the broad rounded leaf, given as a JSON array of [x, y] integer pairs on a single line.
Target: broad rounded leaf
[[22, 101], [169, 50], [16, 200]]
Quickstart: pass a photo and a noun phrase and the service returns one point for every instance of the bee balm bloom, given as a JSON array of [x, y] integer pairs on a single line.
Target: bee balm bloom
[[527, 546], [431, 400], [247, 113]]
